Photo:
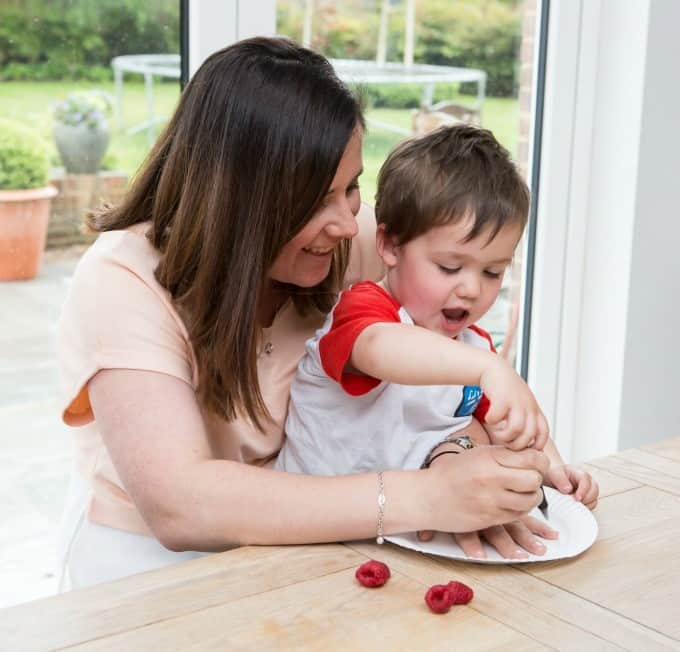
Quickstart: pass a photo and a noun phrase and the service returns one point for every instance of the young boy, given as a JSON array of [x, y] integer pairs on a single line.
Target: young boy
[[399, 368]]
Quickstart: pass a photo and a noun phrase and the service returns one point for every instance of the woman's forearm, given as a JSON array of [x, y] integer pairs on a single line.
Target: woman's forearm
[[411, 355], [241, 504]]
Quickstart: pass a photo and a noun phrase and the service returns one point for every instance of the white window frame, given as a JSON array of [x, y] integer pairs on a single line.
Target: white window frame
[[214, 24], [603, 358]]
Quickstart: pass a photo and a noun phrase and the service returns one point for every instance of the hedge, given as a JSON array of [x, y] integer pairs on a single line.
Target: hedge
[[76, 39]]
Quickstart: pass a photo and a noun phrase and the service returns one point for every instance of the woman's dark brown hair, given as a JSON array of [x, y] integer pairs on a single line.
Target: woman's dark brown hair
[[242, 166]]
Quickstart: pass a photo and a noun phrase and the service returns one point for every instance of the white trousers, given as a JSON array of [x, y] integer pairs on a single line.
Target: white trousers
[[89, 553]]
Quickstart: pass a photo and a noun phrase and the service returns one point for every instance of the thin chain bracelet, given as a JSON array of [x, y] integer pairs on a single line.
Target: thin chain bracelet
[[381, 508]]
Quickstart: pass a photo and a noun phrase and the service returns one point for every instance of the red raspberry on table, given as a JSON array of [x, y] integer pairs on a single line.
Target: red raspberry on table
[[438, 598], [372, 574], [460, 593]]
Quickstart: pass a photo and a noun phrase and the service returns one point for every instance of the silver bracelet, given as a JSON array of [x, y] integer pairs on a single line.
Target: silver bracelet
[[381, 508]]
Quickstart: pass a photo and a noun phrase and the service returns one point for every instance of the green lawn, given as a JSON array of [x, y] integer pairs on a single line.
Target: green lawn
[[31, 103]]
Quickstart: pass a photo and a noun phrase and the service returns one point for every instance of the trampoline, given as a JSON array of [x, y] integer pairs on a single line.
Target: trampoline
[[351, 71]]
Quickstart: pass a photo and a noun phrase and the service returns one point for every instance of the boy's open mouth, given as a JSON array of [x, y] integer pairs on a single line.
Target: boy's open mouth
[[455, 315]]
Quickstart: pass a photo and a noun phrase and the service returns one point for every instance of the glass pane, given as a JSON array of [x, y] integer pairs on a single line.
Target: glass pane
[[426, 63], [57, 78]]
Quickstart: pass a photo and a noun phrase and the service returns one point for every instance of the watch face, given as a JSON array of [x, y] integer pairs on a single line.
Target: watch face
[[463, 442]]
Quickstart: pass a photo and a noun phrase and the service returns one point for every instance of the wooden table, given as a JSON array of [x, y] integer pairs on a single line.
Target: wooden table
[[623, 593]]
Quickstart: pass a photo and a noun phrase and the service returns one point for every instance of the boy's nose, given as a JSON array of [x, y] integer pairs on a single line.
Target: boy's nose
[[469, 286]]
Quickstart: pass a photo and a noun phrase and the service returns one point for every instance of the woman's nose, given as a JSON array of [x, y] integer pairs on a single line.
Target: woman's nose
[[344, 224]]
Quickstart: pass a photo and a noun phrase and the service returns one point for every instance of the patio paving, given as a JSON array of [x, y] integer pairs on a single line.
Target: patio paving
[[35, 448]]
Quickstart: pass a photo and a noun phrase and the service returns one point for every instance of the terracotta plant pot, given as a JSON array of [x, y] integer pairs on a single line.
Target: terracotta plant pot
[[23, 229]]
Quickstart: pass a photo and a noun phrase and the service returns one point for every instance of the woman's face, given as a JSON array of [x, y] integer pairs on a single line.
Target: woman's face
[[306, 259]]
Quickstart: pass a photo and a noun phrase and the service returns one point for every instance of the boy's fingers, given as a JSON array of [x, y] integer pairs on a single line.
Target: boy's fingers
[[543, 427], [496, 413], [583, 487], [515, 421]]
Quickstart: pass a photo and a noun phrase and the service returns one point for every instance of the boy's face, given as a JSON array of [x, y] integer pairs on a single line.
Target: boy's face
[[443, 282]]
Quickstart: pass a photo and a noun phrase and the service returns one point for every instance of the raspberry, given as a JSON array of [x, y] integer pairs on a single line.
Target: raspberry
[[372, 574], [439, 598], [460, 593]]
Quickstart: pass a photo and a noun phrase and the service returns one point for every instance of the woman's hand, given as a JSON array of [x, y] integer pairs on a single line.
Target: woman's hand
[[516, 422], [484, 487], [512, 540], [568, 479]]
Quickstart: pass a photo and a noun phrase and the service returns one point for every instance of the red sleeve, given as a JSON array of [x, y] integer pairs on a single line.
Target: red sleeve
[[484, 403], [362, 305]]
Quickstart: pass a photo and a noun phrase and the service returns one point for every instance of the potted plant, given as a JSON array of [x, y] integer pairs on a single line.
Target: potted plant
[[81, 130], [24, 200]]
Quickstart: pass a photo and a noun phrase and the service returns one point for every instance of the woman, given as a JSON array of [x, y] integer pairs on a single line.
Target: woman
[[186, 320]]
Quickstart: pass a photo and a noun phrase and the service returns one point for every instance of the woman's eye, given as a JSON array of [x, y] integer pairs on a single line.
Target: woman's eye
[[448, 270], [352, 188]]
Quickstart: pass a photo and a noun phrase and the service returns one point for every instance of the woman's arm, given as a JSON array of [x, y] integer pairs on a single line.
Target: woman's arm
[[152, 427]]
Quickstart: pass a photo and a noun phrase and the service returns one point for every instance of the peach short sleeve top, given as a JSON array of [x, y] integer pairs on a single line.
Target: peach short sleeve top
[[117, 316]]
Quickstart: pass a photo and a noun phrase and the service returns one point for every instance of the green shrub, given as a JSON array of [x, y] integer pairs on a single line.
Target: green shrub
[[76, 39], [482, 34], [24, 158]]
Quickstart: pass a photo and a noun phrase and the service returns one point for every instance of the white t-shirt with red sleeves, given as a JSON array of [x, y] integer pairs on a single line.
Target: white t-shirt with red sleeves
[[340, 423]]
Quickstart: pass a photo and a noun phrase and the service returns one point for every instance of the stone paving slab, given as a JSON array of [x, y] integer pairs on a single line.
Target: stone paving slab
[[35, 447]]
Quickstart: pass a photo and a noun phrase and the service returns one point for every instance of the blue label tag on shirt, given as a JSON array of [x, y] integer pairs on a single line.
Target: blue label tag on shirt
[[472, 394]]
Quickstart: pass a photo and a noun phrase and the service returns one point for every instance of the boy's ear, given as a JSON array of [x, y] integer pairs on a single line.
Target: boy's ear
[[386, 246]]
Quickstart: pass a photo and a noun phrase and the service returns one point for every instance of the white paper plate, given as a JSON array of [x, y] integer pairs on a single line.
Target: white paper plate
[[575, 523]]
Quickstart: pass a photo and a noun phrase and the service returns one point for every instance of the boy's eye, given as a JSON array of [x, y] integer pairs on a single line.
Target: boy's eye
[[448, 270], [493, 274]]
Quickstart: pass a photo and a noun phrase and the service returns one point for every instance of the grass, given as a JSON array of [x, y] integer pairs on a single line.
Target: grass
[[31, 103]]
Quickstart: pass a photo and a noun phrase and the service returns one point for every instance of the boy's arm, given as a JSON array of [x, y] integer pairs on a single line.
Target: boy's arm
[[411, 355]]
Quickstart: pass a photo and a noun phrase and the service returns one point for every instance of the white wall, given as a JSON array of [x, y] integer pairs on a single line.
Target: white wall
[[612, 142], [651, 380]]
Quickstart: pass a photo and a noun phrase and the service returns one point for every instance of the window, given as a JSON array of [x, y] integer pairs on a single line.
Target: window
[[427, 63]]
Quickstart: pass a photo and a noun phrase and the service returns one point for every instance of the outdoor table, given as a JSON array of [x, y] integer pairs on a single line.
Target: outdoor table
[[622, 593]]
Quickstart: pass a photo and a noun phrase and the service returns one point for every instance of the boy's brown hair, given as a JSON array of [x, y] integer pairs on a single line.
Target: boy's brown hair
[[446, 176]]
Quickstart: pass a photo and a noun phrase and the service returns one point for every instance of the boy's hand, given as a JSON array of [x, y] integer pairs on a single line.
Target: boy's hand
[[568, 479], [514, 418]]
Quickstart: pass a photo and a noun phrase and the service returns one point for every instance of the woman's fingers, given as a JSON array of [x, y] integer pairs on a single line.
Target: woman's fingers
[[529, 458], [522, 480], [471, 544], [520, 503], [500, 538], [425, 535], [523, 536], [538, 527]]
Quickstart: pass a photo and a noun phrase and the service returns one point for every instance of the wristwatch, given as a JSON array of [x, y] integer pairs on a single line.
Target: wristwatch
[[464, 442]]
